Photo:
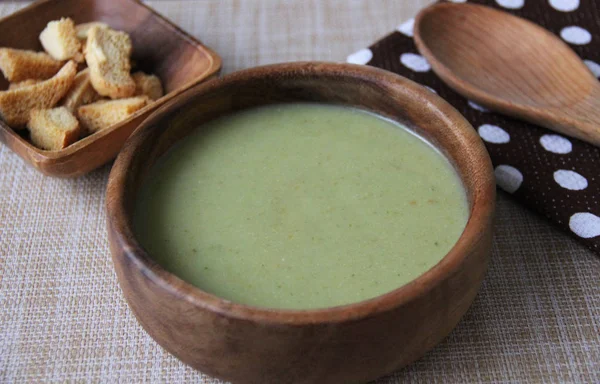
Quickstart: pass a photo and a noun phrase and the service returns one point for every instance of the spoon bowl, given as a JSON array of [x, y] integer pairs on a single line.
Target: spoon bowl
[[512, 66]]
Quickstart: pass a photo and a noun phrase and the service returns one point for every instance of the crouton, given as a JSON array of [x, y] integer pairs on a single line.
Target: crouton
[[53, 129], [18, 65], [81, 92], [107, 54], [82, 30], [21, 84], [60, 40], [148, 85], [17, 104], [105, 113]]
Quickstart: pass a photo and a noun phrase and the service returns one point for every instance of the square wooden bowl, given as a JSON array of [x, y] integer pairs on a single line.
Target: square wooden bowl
[[159, 47]]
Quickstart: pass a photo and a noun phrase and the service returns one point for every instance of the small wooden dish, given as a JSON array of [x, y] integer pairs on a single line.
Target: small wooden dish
[[159, 47], [346, 344]]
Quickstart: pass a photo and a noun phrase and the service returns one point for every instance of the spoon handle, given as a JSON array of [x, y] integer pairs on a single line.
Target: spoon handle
[[580, 120]]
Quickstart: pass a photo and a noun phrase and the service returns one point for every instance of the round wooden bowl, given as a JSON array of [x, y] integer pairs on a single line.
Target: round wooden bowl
[[346, 344]]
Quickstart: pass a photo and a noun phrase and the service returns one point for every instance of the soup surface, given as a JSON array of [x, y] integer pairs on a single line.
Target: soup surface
[[300, 206]]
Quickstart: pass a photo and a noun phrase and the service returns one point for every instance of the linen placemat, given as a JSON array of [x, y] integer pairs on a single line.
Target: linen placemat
[[555, 175], [64, 318]]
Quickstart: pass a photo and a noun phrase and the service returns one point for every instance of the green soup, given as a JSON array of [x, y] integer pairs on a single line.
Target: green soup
[[300, 206]]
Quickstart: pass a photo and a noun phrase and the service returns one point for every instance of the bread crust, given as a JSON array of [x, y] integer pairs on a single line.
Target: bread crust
[[59, 39], [18, 65], [107, 54], [81, 92], [106, 113], [53, 129], [83, 29], [148, 85], [21, 84], [17, 104]]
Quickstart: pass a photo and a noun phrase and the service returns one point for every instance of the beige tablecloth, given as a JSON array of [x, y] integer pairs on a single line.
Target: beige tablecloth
[[63, 317]]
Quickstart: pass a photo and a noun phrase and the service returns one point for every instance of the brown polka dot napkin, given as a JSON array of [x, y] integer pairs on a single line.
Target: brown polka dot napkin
[[555, 175]]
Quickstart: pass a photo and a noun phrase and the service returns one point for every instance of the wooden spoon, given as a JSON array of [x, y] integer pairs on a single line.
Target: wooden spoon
[[512, 66]]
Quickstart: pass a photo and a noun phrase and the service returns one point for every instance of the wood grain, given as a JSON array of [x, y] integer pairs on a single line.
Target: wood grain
[[512, 66], [346, 344], [159, 47]]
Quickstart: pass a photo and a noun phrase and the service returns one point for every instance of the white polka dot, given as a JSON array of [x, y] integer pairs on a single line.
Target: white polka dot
[[556, 144], [360, 57], [585, 224], [407, 27], [431, 89], [570, 180], [593, 66], [478, 107], [493, 134], [565, 5], [415, 62], [511, 4], [508, 178], [575, 35]]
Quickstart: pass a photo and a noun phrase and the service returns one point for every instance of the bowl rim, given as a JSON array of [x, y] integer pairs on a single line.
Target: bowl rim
[[481, 211]]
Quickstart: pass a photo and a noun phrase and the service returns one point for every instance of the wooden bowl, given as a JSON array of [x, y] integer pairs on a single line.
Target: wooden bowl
[[159, 47], [345, 344]]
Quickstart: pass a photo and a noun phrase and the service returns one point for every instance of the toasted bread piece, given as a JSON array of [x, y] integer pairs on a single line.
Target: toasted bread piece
[[105, 113], [60, 40], [81, 92], [16, 104], [107, 54], [148, 85], [18, 65], [21, 84], [82, 30], [53, 129]]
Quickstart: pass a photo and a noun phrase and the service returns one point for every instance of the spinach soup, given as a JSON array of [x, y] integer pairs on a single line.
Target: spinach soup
[[300, 206]]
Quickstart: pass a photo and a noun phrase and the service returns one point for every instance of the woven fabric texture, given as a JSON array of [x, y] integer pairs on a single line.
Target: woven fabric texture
[[63, 317]]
